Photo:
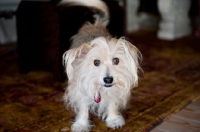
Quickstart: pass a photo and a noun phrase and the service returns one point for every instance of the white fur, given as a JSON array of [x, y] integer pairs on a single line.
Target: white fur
[[85, 79]]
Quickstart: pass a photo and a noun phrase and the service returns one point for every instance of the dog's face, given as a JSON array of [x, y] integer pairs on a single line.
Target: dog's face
[[106, 66]]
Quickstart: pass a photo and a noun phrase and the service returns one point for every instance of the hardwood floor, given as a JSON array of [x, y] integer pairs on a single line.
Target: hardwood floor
[[186, 120]]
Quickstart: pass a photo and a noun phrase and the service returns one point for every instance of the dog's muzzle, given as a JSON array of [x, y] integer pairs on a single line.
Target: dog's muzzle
[[108, 81]]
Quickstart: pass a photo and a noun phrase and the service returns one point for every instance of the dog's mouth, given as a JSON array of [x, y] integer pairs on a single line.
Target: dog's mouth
[[108, 85]]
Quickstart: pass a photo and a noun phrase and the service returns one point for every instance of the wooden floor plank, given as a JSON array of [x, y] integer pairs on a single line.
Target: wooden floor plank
[[193, 108], [186, 120], [158, 130], [189, 115], [169, 126]]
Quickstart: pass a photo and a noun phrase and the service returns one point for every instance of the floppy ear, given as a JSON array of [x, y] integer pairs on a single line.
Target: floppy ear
[[133, 57], [74, 54]]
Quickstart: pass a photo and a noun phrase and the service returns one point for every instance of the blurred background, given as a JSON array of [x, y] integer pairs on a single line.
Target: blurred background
[[38, 28], [147, 14]]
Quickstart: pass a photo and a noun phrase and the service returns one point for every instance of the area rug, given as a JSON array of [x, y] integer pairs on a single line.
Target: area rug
[[32, 102]]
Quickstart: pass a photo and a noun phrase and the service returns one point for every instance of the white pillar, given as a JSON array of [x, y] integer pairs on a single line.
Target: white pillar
[[175, 22], [132, 22]]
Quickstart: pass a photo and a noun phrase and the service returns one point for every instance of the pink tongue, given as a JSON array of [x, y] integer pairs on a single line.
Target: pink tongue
[[97, 97]]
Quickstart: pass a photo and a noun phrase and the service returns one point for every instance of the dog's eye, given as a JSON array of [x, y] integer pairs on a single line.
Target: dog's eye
[[115, 61], [97, 62]]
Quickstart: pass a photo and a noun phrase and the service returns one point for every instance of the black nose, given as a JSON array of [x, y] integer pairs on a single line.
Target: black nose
[[108, 80]]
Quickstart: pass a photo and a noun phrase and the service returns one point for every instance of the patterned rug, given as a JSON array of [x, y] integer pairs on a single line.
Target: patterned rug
[[33, 102]]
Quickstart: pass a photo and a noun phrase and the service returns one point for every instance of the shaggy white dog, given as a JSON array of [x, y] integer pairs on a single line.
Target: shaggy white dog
[[101, 71]]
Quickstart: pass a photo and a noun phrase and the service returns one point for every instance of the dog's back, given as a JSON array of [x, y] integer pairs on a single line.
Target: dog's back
[[89, 32]]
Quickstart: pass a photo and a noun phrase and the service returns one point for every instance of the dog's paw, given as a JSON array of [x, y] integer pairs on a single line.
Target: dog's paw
[[115, 121], [78, 127]]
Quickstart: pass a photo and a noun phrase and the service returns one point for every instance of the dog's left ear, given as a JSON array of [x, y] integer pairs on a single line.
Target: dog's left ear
[[134, 57], [78, 53]]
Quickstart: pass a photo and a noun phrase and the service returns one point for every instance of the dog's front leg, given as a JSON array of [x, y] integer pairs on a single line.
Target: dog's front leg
[[114, 118], [81, 123]]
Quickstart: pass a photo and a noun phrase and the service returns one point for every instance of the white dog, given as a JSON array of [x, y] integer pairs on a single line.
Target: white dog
[[101, 71]]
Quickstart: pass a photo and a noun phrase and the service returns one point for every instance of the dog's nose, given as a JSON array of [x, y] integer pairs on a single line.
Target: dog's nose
[[108, 80]]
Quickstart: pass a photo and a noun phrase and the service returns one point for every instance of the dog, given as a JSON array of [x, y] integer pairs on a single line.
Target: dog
[[101, 70]]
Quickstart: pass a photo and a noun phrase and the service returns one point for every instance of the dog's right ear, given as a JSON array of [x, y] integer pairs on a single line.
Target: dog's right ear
[[74, 54]]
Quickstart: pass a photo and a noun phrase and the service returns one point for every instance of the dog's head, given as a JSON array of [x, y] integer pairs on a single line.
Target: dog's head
[[105, 64]]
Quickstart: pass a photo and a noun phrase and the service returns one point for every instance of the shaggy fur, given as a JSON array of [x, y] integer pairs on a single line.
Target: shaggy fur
[[101, 72]]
